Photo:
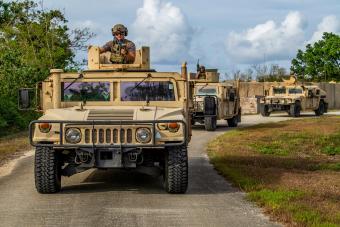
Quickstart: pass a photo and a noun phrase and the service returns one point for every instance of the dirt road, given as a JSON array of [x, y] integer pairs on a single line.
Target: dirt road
[[114, 198]]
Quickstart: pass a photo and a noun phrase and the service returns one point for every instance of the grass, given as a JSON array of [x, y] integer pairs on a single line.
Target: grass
[[12, 145], [291, 168]]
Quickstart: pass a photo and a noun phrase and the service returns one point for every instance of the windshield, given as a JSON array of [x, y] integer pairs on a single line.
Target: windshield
[[205, 90], [278, 91], [154, 90], [85, 91], [295, 91]]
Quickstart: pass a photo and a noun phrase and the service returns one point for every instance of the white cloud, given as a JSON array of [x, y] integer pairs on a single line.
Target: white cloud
[[164, 28], [328, 24], [269, 40]]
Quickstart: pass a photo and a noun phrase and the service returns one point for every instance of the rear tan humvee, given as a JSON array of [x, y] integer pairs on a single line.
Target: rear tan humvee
[[111, 116], [293, 99], [214, 100]]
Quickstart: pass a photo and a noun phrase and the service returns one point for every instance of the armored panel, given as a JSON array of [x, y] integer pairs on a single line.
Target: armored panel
[[98, 61]]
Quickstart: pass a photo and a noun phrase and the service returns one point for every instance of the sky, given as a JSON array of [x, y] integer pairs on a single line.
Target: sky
[[225, 34]]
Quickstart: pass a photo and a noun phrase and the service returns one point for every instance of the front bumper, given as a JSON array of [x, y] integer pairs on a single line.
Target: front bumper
[[93, 125], [277, 107]]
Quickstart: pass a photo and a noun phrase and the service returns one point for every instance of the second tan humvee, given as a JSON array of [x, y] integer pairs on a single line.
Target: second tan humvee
[[214, 100], [111, 116]]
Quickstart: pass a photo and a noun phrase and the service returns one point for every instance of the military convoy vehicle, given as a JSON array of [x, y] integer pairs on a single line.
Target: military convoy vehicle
[[293, 99], [213, 100], [125, 116]]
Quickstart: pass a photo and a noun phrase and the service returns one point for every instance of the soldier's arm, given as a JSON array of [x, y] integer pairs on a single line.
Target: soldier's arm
[[106, 47]]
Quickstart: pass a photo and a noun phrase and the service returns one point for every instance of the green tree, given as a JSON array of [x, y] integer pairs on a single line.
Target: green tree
[[32, 41], [320, 61]]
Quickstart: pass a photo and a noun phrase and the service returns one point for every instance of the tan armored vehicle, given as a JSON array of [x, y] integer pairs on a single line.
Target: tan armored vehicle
[[213, 100], [293, 99], [123, 116]]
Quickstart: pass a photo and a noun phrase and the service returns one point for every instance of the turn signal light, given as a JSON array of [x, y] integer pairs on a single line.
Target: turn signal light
[[45, 127], [173, 127]]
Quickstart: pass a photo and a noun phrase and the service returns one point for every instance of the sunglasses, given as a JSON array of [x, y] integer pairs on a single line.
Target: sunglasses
[[119, 34]]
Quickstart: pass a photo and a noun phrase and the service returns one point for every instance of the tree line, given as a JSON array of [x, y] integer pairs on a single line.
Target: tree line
[[32, 41]]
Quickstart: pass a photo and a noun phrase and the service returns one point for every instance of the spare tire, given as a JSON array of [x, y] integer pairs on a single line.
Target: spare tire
[[209, 105]]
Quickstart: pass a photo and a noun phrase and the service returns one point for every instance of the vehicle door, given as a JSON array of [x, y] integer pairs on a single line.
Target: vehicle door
[[232, 99], [316, 98], [223, 102]]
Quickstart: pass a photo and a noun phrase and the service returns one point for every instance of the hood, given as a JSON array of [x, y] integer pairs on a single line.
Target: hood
[[114, 113]]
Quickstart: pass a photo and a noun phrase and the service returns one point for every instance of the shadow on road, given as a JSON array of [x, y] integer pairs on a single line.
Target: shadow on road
[[303, 115], [220, 127], [202, 180]]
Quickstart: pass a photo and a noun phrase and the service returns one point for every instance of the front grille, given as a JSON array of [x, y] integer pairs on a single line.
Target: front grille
[[109, 136]]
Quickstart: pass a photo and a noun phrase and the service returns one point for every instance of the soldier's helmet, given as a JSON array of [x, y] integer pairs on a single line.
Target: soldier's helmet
[[119, 28], [202, 69]]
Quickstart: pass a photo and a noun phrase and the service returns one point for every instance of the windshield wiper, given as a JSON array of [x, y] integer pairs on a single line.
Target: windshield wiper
[[201, 88], [79, 77], [137, 85]]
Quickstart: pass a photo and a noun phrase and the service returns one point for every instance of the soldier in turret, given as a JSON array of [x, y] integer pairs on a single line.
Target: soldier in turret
[[201, 73], [123, 51]]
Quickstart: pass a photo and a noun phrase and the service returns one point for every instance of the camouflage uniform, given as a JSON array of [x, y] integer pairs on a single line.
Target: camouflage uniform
[[115, 48]]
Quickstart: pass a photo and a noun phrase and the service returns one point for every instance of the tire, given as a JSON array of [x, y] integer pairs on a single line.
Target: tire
[[264, 111], [210, 123], [239, 116], [176, 170], [295, 110], [47, 170], [321, 109], [233, 122]]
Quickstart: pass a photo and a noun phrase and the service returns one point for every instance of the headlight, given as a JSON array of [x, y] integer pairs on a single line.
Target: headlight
[[162, 126], [73, 135], [143, 135]]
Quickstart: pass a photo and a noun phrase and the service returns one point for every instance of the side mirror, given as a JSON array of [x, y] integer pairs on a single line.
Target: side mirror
[[232, 97], [26, 99]]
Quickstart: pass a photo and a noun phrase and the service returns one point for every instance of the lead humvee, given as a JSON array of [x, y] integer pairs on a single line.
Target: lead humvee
[[293, 99], [214, 100], [125, 116]]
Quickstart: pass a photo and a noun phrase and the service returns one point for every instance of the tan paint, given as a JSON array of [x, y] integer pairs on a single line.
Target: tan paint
[[55, 75], [98, 61], [309, 98], [226, 109], [99, 71]]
